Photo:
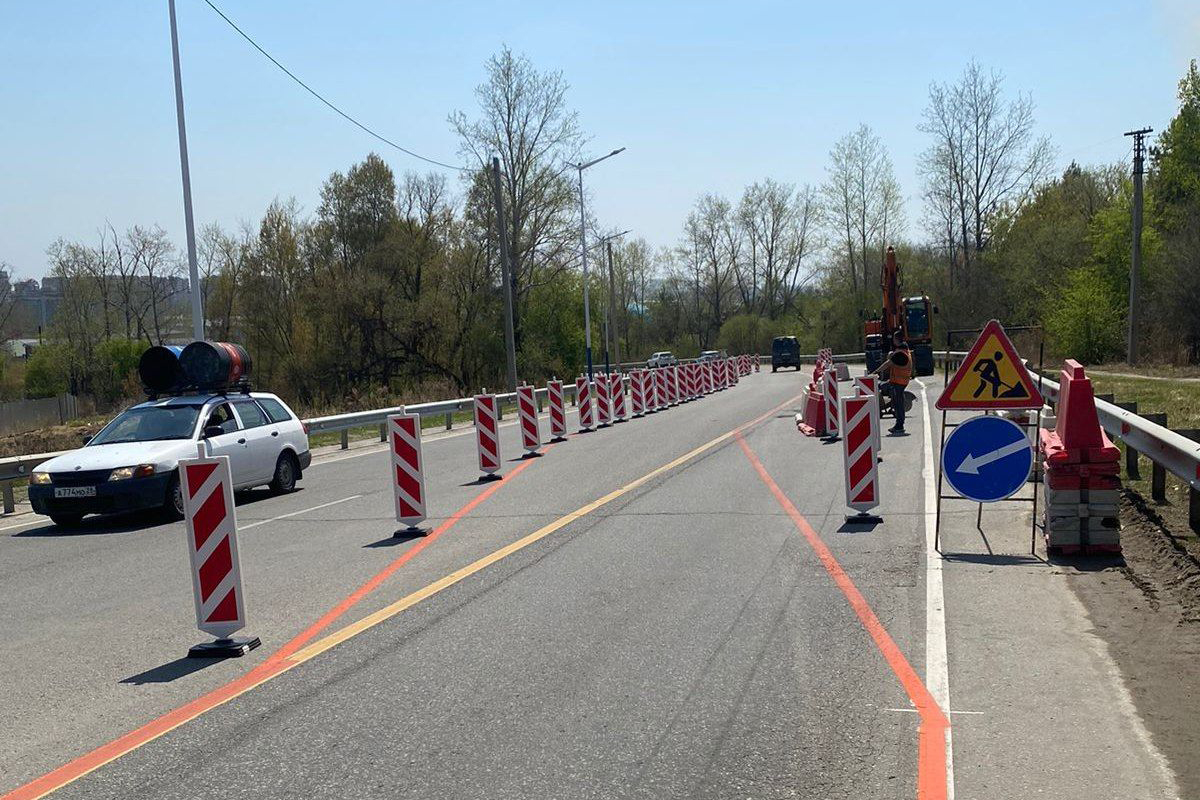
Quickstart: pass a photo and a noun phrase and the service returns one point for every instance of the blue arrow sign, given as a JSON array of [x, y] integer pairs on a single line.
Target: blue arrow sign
[[987, 458]]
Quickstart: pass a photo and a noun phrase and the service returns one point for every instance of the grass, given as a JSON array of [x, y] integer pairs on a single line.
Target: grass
[[1180, 401]]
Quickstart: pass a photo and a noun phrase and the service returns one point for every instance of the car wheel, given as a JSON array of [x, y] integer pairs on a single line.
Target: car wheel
[[286, 472], [66, 520], [774, 368], [173, 502]]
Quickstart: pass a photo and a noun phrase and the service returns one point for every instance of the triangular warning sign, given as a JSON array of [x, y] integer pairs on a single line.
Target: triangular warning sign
[[992, 376]]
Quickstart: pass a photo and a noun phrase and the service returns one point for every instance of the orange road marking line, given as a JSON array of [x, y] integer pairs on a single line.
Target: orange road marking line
[[931, 734]]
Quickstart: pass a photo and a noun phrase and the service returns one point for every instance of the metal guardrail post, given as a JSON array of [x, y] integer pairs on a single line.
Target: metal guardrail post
[[10, 504], [1193, 492], [345, 438], [1132, 469], [449, 420], [383, 431], [1158, 476]]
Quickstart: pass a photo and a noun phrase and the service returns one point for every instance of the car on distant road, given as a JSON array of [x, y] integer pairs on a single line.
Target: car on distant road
[[708, 355], [132, 463], [663, 358], [785, 352]]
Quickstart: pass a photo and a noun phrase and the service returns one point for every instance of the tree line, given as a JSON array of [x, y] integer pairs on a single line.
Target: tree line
[[392, 286]]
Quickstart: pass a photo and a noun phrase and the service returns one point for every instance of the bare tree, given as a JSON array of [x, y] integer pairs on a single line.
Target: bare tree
[[983, 158], [525, 121], [862, 202], [779, 222], [159, 270]]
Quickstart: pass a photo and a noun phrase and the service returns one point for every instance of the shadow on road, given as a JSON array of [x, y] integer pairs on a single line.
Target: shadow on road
[[996, 559], [172, 670], [393, 541]]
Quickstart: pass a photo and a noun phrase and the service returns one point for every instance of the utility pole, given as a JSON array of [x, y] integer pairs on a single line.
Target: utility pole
[[189, 224], [505, 276], [1135, 265], [613, 330]]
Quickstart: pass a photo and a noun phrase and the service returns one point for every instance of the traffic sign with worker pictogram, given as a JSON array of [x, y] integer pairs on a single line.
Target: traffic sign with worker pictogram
[[991, 377]]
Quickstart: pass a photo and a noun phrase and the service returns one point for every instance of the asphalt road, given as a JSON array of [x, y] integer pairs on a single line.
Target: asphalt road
[[636, 613]]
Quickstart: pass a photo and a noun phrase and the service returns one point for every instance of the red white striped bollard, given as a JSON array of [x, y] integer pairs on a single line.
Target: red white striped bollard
[[650, 388], [558, 410], [637, 392], [832, 428], [603, 400], [672, 386], [660, 388], [707, 376], [408, 477], [733, 372], [211, 520], [859, 417], [527, 418], [757, 362], [583, 399], [487, 435], [616, 382], [689, 381]]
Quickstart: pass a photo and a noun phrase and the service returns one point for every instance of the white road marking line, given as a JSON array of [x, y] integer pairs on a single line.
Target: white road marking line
[[38, 521], [379, 447], [297, 513], [937, 665]]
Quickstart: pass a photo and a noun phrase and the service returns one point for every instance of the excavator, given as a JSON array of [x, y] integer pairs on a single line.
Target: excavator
[[912, 316]]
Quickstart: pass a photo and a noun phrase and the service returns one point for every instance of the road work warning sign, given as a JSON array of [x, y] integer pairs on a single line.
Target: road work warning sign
[[991, 377]]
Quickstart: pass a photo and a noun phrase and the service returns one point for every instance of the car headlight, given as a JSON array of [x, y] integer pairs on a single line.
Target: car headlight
[[125, 473], [39, 478]]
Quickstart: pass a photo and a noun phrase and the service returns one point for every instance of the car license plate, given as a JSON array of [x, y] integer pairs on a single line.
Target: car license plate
[[75, 491]]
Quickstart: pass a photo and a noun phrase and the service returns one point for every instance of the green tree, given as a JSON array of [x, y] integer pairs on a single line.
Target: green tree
[[1085, 321]]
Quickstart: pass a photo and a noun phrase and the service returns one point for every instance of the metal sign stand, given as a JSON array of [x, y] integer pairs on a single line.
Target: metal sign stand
[[1035, 425]]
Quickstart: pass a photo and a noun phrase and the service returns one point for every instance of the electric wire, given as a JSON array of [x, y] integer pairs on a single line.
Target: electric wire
[[320, 97]]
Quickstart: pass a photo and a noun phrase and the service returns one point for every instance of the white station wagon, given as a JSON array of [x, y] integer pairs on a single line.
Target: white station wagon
[[132, 463]]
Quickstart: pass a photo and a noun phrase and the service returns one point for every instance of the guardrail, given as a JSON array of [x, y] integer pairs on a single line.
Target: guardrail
[[17, 468], [1169, 451]]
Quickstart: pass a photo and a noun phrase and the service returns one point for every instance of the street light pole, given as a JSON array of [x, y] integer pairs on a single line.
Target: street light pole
[[587, 311], [189, 224]]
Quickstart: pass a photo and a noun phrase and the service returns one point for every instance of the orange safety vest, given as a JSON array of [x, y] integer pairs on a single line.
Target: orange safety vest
[[900, 375]]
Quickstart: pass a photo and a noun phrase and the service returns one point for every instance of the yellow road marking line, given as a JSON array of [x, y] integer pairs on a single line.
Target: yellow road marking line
[[389, 611]]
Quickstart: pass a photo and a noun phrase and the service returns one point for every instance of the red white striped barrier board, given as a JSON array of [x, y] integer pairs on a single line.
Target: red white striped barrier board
[[637, 392], [603, 400], [558, 410], [583, 399], [757, 363], [860, 426], [616, 382], [832, 428], [408, 478], [660, 388], [733, 372], [672, 377], [211, 522], [527, 418], [868, 386], [722, 377], [707, 374], [487, 434], [689, 381]]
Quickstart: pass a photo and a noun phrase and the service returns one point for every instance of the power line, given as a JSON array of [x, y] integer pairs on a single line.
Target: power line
[[318, 95]]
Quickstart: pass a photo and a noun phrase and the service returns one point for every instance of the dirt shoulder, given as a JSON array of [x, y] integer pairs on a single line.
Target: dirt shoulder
[[1146, 606]]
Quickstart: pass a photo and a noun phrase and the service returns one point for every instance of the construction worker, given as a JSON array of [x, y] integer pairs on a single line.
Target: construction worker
[[897, 369]]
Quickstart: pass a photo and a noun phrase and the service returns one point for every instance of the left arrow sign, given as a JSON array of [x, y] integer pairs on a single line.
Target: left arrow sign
[[971, 464]]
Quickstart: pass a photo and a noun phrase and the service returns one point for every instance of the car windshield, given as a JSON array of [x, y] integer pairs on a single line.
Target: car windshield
[[149, 424]]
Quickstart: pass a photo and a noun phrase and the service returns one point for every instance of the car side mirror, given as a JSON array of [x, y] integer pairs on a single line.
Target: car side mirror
[[211, 431]]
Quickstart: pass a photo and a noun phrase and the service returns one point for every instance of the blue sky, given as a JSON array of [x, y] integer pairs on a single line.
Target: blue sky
[[705, 96]]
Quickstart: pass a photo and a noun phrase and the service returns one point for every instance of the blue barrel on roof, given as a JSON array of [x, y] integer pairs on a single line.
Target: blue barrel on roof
[[159, 368]]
